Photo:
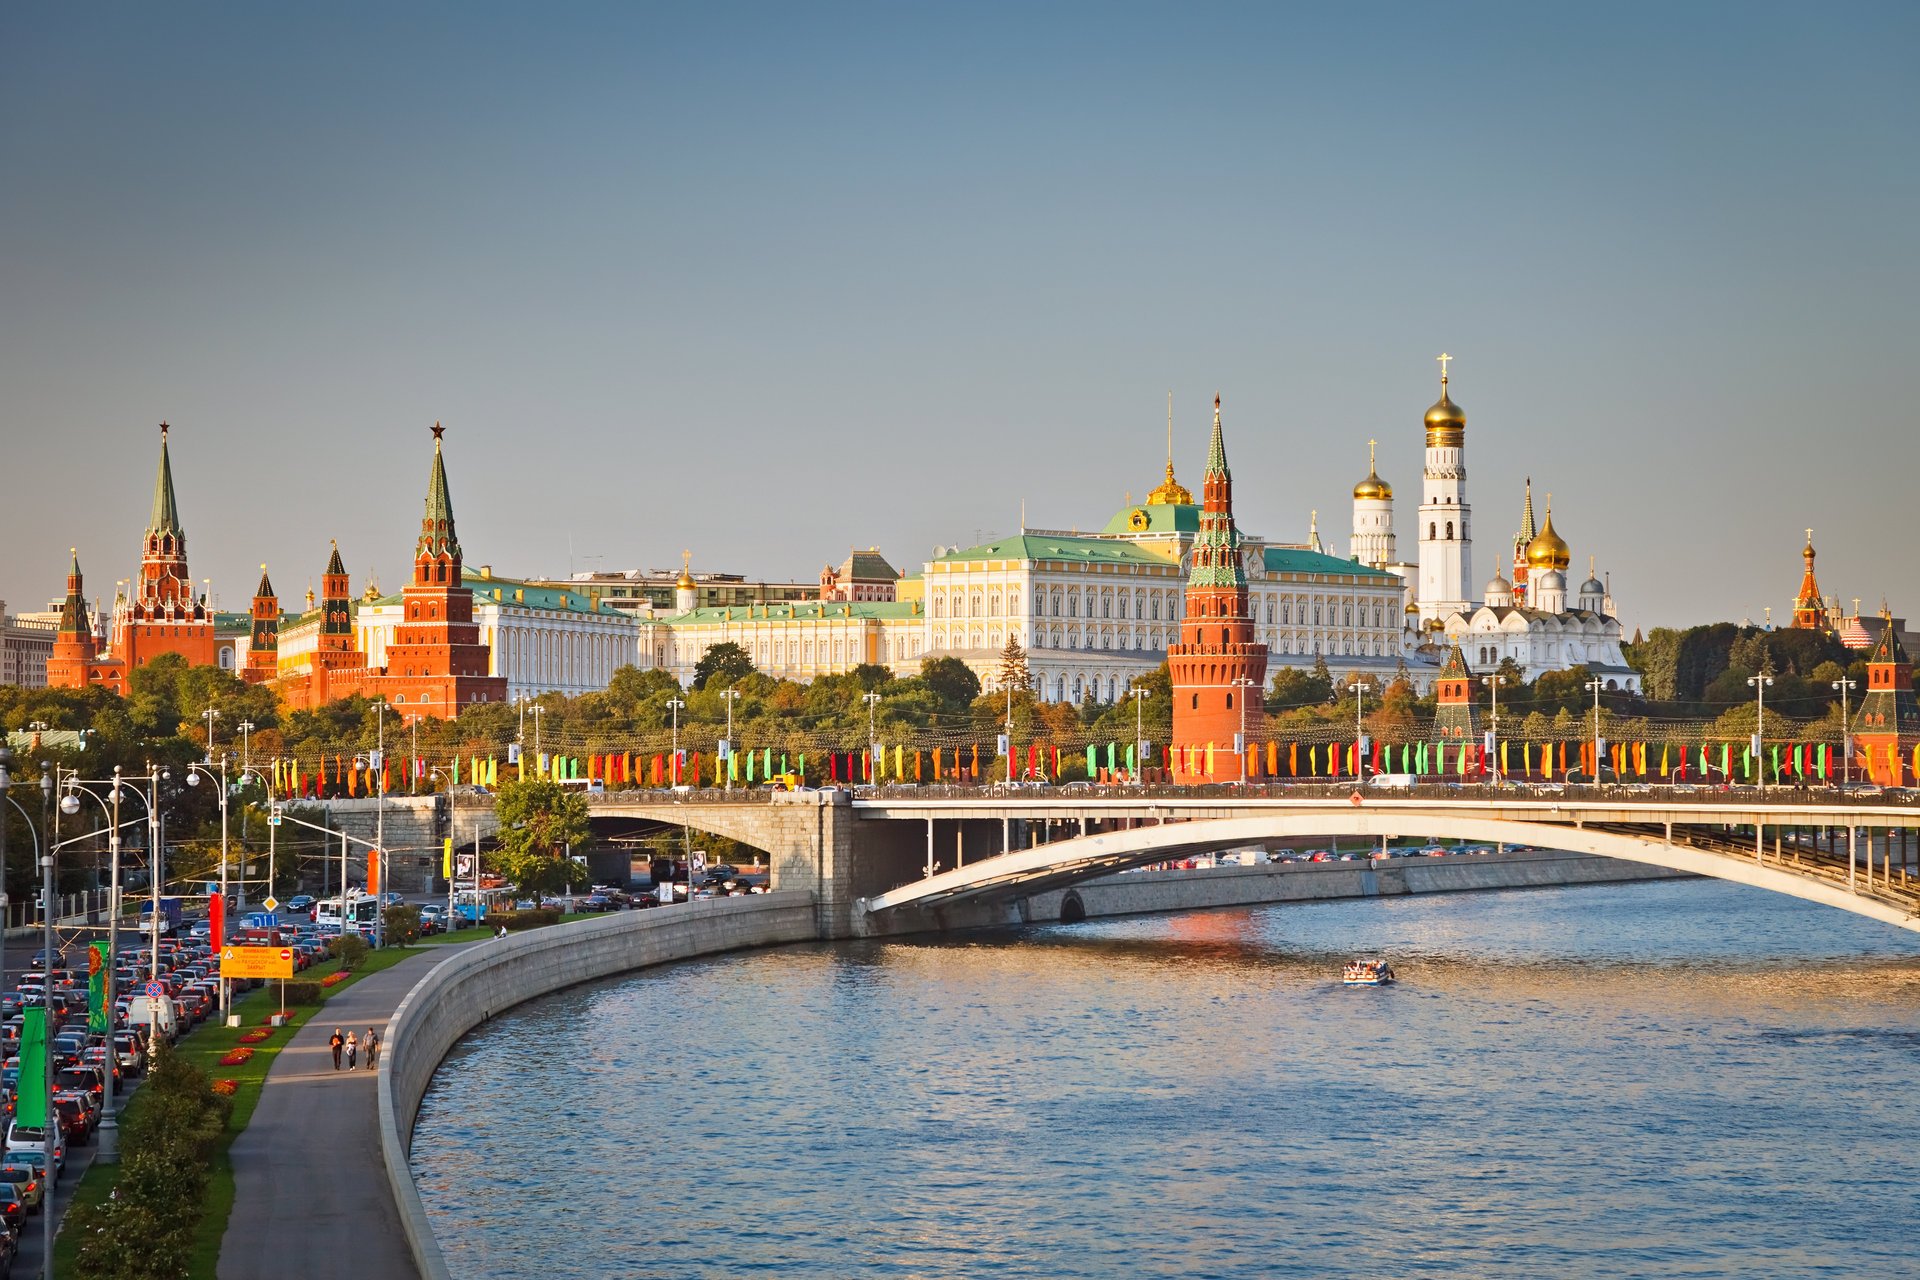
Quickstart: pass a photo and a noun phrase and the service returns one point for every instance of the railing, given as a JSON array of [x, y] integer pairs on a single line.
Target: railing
[[88, 906]]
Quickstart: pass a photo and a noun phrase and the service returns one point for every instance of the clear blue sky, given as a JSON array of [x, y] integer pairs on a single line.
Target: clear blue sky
[[767, 281]]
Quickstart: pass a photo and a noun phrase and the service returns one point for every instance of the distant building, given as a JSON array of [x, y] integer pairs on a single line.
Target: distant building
[[26, 645], [646, 593], [863, 575]]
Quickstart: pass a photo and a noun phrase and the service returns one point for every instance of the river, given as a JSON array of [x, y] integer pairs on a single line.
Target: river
[[1667, 1079]]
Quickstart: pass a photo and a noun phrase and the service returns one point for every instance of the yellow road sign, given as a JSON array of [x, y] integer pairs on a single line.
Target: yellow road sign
[[256, 962]]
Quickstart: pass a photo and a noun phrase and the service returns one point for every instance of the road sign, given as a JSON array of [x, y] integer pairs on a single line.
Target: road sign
[[699, 863], [272, 903], [256, 962], [155, 991], [463, 866]]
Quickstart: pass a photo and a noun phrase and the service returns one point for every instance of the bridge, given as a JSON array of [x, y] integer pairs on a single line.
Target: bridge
[[906, 859]]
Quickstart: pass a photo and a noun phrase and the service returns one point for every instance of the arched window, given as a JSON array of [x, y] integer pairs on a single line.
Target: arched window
[[1229, 702], [1196, 702], [1449, 531], [1433, 530]]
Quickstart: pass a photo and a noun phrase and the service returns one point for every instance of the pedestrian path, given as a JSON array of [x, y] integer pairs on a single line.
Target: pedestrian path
[[310, 1196]]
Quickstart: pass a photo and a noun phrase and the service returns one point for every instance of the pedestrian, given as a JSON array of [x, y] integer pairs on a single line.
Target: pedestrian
[[373, 1047], [353, 1049], [335, 1044], [502, 933]]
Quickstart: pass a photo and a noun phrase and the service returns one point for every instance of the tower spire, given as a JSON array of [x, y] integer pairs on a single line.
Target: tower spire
[[437, 535], [166, 513]]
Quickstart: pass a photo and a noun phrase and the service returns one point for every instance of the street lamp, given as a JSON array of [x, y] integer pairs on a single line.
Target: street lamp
[[1494, 682], [1243, 683], [538, 711], [70, 805], [1139, 695], [872, 700], [194, 772], [1359, 688], [675, 705], [732, 696], [1759, 685], [1596, 685], [1846, 728]]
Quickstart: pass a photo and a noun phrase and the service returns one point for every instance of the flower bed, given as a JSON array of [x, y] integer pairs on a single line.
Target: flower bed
[[335, 978], [236, 1057], [226, 1088], [256, 1035]]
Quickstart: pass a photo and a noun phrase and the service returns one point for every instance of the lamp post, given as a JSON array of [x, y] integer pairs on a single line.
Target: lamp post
[[1595, 685], [51, 1117], [1759, 686], [194, 772], [380, 825], [1359, 688], [676, 705], [70, 804], [1243, 683], [538, 711], [872, 700], [6, 782], [1494, 682], [1846, 727], [732, 696], [1139, 695], [211, 714]]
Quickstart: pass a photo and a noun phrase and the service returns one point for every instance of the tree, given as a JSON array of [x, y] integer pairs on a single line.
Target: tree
[[1014, 674], [726, 662], [541, 822], [1293, 687], [951, 680]]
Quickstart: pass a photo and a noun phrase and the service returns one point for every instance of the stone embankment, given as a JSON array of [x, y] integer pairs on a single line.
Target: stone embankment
[[490, 978]]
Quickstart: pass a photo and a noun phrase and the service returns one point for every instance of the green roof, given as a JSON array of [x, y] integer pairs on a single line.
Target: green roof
[[1181, 517], [1301, 560], [803, 610], [1054, 546], [525, 596]]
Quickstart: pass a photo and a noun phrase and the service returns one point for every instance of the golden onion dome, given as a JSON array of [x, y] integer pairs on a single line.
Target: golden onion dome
[[685, 581], [1373, 487], [1446, 422], [1170, 493], [1548, 550]]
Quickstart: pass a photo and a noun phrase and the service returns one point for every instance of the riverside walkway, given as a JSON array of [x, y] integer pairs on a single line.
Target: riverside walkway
[[311, 1198]]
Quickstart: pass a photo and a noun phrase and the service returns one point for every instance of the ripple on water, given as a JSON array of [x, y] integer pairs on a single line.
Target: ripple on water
[[1675, 1079]]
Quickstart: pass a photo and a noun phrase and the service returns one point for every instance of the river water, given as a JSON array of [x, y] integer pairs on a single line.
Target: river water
[[1675, 1079]]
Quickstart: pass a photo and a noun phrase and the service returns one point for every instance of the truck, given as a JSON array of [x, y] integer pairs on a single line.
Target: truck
[[169, 919]]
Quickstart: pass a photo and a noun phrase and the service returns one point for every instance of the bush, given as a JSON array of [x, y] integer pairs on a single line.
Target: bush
[[403, 926], [349, 948], [303, 993], [538, 918]]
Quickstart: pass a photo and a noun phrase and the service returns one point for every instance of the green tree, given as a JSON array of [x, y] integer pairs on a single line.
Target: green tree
[[952, 681], [1292, 687], [540, 824], [725, 662], [1014, 673]]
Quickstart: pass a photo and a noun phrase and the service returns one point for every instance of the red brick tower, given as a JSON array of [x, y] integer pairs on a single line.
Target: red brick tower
[[436, 663], [1453, 717], [164, 616], [263, 648], [74, 647], [1219, 670], [1888, 719]]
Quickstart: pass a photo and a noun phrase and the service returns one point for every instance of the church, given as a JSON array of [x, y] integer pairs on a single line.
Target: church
[[1528, 618]]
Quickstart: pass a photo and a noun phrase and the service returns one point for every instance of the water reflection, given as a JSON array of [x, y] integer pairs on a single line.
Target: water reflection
[[1665, 1079]]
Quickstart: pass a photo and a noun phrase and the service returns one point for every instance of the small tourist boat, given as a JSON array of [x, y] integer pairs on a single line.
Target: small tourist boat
[[1368, 973]]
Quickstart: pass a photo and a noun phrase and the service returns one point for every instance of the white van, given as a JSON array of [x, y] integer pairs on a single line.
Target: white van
[[143, 1010], [22, 1138]]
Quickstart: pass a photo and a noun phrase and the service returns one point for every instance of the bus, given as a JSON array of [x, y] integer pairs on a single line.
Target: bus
[[363, 913]]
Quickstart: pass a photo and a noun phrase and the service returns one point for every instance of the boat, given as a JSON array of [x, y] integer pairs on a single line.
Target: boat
[[1368, 973]]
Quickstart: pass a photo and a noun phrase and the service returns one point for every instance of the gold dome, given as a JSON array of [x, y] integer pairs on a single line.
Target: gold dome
[[685, 580], [1446, 421], [1170, 493], [1548, 550], [1373, 486]]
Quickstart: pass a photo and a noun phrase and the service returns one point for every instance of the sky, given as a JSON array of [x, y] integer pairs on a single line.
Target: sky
[[767, 282]]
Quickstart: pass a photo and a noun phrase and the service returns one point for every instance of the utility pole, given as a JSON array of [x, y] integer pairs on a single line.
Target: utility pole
[[873, 737], [379, 855], [1359, 688], [1596, 685], [676, 706], [1494, 682], [1846, 723], [1759, 686], [1139, 696], [732, 696]]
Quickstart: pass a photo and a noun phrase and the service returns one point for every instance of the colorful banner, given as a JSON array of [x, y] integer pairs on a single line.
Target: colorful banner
[[97, 988], [30, 1110]]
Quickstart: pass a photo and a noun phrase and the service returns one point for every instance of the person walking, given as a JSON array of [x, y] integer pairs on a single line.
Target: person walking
[[353, 1049], [335, 1043], [373, 1047]]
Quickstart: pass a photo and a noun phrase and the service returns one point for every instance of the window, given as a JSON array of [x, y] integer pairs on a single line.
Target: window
[[1196, 702], [1156, 607], [1433, 530], [1229, 702], [1449, 531]]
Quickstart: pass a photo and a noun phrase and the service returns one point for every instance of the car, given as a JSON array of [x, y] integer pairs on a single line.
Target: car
[[76, 1120], [300, 902], [31, 1138], [27, 1184], [13, 1210], [133, 1057], [39, 959]]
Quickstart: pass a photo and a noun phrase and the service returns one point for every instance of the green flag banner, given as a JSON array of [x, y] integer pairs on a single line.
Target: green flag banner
[[31, 1108], [97, 988]]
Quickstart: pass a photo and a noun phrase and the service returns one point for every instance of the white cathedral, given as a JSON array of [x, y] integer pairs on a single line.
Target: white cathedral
[[1527, 617]]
